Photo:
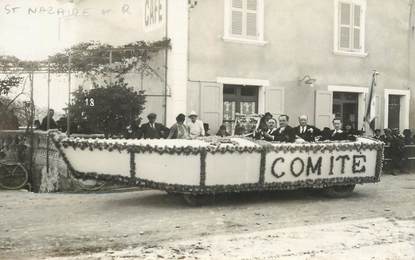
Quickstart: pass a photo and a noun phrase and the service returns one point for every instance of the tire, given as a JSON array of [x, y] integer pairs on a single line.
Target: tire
[[342, 191], [13, 177], [197, 200], [95, 186]]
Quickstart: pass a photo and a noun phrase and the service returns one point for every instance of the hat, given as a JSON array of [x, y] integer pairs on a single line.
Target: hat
[[192, 113], [151, 115]]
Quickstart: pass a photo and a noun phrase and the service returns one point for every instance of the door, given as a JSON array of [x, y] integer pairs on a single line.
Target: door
[[346, 106], [394, 108], [238, 99]]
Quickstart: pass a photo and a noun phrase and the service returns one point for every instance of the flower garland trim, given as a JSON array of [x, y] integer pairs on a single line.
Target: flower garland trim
[[203, 189]]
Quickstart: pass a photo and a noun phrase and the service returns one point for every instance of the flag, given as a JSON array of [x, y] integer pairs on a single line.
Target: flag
[[370, 113]]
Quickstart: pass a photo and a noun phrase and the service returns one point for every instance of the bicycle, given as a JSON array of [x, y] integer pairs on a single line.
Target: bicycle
[[13, 175]]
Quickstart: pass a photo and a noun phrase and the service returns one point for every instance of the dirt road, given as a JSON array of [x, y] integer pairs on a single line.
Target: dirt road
[[377, 222]]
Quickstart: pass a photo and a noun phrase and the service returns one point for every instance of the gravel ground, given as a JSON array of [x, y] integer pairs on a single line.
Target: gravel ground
[[377, 222]]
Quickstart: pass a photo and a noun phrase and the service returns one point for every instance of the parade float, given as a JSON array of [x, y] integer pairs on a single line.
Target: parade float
[[214, 165]]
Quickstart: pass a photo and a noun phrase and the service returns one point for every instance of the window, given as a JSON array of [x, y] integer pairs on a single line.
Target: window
[[349, 30], [244, 21]]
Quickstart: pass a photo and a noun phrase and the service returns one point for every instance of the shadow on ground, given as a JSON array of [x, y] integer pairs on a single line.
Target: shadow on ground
[[163, 200]]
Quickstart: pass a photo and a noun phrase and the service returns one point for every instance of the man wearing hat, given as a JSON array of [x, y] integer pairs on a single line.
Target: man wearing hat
[[153, 130], [195, 126]]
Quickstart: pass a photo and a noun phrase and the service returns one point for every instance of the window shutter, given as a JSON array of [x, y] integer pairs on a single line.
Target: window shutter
[[345, 25], [237, 17], [356, 27], [212, 105], [251, 18], [274, 100], [324, 108]]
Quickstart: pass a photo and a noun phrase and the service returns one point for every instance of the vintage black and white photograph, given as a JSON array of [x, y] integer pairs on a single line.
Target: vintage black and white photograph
[[207, 129]]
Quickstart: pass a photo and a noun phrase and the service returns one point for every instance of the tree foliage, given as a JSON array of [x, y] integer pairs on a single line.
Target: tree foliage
[[94, 59], [107, 108], [13, 112]]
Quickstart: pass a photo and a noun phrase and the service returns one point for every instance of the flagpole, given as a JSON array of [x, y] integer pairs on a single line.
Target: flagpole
[[368, 111]]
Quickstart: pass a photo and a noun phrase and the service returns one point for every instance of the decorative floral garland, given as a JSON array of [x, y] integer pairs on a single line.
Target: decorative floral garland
[[216, 147], [263, 148], [213, 148]]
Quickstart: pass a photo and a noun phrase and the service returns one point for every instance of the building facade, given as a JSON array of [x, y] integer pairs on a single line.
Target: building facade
[[280, 56], [253, 56]]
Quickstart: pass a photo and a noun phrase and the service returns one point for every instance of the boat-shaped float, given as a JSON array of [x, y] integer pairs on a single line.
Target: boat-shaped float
[[217, 165]]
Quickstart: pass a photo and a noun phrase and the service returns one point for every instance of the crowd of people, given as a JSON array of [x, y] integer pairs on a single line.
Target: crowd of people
[[397, 150]]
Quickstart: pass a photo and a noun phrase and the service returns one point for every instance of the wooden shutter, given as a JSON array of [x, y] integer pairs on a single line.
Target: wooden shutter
[[345, 25], [324, 108], [274, 102], [357, 11], [211, 107], [237, 17], [251, 18]]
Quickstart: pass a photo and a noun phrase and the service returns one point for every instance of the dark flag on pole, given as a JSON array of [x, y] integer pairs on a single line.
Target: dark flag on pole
[[370, 113]]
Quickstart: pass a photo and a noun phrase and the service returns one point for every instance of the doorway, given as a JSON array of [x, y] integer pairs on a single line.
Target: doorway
[[394, 108], [346, 107], [238, 99]]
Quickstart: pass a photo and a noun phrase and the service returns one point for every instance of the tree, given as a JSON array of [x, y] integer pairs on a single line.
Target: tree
[[107, 108], [12, 111]]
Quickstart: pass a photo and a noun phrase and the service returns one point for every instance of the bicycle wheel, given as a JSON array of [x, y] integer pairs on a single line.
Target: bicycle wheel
[[13, 177]]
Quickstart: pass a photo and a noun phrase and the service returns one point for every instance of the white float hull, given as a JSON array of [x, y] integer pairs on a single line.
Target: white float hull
[[196, 166]]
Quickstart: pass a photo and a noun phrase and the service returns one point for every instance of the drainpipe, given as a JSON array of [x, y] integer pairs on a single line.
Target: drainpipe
[[165, 63], [411, 31], [411, 54], [411, 38]]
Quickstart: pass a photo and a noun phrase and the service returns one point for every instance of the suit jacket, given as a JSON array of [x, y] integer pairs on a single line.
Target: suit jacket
[[271, 132], [286, 135], [341, 136], [310, 133], [156, 132], [44, 125]]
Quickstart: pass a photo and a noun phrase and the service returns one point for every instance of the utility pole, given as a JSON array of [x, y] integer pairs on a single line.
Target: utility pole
[[48, 120], [68, 121], [31, 133]]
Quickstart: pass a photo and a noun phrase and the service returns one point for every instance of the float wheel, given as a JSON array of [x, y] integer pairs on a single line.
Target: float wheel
[[341, 191], [197, 199]]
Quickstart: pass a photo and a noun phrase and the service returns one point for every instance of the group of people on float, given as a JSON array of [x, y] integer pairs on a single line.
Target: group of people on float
[[268, 130], [191, 129]]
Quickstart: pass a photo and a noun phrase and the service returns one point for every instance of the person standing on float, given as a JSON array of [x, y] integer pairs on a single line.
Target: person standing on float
[[152, 129], [195, 125], [179, 130], [285, 133], [305, 131]]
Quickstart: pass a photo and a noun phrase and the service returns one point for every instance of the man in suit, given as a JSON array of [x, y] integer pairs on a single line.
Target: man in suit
[[153, 130], [305, 131], [284, 133], [337, 134], [268, 134]]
